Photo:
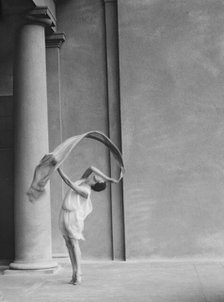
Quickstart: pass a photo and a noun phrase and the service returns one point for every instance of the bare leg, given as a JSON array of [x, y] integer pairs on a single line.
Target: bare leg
[[72, 258], [77, 256]]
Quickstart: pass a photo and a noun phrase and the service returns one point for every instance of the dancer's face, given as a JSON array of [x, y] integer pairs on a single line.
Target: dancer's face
[[92, 179]]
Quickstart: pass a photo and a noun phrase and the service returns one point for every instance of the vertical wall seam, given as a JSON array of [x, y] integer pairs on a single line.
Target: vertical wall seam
[[120, 125], [115, 82], [108, 123]]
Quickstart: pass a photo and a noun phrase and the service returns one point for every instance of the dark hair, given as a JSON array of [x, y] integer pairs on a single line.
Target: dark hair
[[99, 186]]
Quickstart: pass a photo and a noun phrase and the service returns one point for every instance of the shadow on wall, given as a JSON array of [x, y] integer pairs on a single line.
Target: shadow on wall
[[6, 178]]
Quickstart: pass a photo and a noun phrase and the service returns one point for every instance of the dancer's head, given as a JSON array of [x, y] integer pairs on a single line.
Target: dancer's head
[[95, 181], [99, 186]]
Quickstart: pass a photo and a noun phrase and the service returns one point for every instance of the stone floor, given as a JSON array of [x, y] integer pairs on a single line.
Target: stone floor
[[120, 281]]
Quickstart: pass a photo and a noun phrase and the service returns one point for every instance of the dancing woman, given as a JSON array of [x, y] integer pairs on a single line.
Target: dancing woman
[[76, 207]]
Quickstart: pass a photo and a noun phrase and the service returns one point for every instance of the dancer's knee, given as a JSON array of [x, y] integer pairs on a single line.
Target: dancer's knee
[[67, 242], [75, 245]]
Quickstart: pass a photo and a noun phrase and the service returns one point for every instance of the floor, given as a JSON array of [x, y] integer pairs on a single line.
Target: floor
[[120, 281]]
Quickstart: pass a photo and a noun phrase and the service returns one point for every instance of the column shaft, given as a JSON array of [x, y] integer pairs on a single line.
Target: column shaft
[[32, 220]]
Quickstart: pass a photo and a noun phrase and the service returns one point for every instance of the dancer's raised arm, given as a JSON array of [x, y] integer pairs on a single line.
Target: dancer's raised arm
[[72, 185], [101, 174]]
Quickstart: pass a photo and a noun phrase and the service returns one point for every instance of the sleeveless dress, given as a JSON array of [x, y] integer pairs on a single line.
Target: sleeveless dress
[[74, 211]]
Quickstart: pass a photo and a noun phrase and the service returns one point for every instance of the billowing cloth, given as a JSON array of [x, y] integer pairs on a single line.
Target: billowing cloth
[[52, 161], [74, 211]]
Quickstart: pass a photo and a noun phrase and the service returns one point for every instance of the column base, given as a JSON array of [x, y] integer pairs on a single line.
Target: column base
[[16, 272], [25, 265]]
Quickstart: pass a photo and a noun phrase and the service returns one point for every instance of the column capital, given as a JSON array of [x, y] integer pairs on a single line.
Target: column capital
[[43, 16], [55, 40]]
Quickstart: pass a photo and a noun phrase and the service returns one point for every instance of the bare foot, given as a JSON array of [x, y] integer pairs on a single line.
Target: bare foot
[[71, 281], [76, 280]]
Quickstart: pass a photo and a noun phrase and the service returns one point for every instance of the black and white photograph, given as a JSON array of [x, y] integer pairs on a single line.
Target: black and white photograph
[[112, 151]]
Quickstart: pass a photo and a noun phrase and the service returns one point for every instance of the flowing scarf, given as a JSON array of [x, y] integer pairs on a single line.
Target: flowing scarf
[[52, 161]]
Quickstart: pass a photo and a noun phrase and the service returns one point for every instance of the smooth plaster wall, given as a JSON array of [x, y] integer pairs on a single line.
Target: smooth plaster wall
[[83, 108], [172, 98]]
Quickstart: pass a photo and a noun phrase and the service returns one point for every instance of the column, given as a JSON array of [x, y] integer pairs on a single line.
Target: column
[[113, 94], [32, 220], [54, 42]]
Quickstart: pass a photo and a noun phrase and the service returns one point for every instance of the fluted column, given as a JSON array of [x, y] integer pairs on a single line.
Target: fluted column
[[32, 220]]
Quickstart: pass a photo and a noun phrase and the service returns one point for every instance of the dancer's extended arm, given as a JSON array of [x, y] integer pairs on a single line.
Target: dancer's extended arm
[[100, 173], [72, 185]]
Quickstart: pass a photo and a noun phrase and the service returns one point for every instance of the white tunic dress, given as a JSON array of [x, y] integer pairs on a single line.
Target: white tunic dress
[[74, 211]]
